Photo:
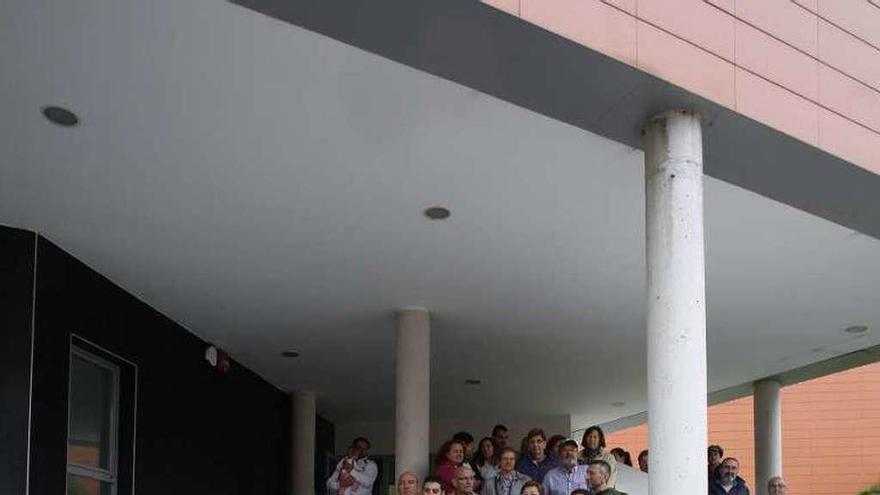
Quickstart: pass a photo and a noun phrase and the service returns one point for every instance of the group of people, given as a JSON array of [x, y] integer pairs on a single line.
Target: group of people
[[542, 466], [557, 466]]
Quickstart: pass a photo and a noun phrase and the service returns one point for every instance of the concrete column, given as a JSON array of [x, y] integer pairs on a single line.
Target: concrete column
[[413, 392], [676, 304], [302, 442], [768, 433]]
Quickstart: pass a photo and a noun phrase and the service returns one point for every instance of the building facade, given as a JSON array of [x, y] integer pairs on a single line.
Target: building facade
[[242, 233]]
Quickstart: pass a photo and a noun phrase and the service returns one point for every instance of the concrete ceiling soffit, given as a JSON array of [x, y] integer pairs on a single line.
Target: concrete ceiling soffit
[[498, 54]]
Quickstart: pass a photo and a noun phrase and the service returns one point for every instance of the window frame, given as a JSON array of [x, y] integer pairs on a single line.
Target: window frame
[[102, 475]]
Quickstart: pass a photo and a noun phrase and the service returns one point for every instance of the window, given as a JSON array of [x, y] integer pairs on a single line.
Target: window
[[93, 424]]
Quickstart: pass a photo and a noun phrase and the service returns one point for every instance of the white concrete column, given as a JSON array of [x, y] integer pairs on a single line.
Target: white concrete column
[[768, 433], [676, 304], [413, 392], [302, 443]]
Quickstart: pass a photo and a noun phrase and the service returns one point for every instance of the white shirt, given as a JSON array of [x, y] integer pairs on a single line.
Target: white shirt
[[487, 471], [364, 472]]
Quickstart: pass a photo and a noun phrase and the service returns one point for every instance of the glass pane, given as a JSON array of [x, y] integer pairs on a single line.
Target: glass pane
[[91, 408], [80, 485]]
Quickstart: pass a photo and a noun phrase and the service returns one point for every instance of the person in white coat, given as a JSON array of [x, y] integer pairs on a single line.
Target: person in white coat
[[355, 473]]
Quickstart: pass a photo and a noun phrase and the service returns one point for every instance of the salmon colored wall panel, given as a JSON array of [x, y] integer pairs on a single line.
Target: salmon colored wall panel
[[783, 19], [627, 5], [679, 62], [698, 44], [777, 107], [812, 5], [727, 5], [848, 54], [856, 16], [695, 21], [589, 22], [777, 61], [849, 141], [509, 6], [849, 97]]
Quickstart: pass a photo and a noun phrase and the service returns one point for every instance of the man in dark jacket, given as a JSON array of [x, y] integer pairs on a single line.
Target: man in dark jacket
[[598, 475], [726, 481], [535, 463]]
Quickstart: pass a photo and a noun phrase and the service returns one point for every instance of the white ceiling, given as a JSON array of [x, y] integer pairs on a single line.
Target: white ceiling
[[262, 185]]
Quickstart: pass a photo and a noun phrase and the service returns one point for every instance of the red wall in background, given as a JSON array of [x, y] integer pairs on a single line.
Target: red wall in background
[[831, 433]]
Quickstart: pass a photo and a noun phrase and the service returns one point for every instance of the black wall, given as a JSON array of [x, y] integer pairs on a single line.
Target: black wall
[[325, 444], [16, 297], [197, 431]]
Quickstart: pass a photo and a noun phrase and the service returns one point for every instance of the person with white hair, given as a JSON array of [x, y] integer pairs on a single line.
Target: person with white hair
[[463, 480], [777, 486], [408, 484]]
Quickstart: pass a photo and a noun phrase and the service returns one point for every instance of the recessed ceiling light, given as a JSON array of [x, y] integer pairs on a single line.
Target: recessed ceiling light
[[473, 381], [60, 116], [437, 213], [856, 329], [290, 354], [618, 404]]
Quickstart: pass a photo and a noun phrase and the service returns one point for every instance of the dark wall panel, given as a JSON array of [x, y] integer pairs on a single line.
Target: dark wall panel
[[16, 297], [325, 444], [198, 432]]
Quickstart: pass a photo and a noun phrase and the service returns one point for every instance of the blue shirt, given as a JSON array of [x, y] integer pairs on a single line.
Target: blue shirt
[[561, 481], [536, 471]]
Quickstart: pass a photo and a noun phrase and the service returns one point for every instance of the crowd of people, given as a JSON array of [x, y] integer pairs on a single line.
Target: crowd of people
[[541, 466], [554, 466]]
